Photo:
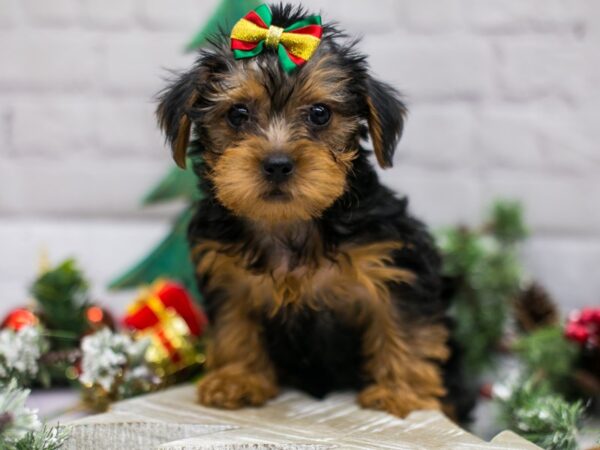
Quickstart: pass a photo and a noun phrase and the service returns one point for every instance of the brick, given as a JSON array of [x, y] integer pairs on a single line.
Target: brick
[[46, 59], [8, 13], [432, 69], [116, 15], [536, 69], [138, 64], [553, 204], [440, 198], [164, 15], [516, 15], [81, 186], [565, 267], [128, 127], [588, 118], [430, 15], [5, 130], [567, 145], [357, 16], [591, 11], [55, 12], [508, 138], [437, 136], [62, 126], [546, 138]]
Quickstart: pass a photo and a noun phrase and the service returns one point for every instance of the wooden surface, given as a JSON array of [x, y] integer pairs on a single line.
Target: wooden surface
[[173, 420]]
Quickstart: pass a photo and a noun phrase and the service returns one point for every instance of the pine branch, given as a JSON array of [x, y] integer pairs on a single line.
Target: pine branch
[[546, 353], [487, 274], [530, 408], [62, 296], [507, 221], [48, 438]]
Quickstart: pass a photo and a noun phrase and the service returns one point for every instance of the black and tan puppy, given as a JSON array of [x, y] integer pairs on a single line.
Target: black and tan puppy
[[313, 273]]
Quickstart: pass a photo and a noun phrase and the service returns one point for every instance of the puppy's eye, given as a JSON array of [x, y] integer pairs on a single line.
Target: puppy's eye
[[238, 115], [319, 115]]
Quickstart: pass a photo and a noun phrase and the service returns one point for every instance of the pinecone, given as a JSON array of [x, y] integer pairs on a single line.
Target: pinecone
[[534, 308], [68, 356]]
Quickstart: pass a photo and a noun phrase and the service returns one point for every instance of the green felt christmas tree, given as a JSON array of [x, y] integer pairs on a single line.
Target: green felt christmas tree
[[170, 258], [225, 16]]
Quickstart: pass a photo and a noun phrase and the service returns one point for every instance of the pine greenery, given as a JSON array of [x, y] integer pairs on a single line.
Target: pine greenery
[[47, 438], [531, 409], [546, 354], [484, 266], [62, 297]]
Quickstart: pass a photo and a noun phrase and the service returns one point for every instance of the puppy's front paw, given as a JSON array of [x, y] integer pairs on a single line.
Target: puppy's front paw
[[232, 388], [396, 400]]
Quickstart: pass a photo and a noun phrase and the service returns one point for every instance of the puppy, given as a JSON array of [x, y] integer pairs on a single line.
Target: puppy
[[313, 274]]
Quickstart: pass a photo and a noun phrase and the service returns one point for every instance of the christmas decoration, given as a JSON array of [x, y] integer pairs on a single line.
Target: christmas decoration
[[295, 44], [60, 366], [163, 295], [528, 407], [19, 318], [166, 314], [547, 355], [46, 438], [20, 428], [583, 327], [113, 367], [41, 347], [556, 374], [16, 420], [62, 298], [170, 258], [534, 308], [541, 403], [161, 346], [484, 268], [98, 317], [20, 352], [583, 330]]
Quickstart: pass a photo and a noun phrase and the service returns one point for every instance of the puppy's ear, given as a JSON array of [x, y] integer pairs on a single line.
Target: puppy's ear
[[385, 118], [172, 113]]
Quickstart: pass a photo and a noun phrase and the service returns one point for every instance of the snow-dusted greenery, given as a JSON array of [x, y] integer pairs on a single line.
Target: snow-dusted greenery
[[110, 357], [20, 427], [20, 352]]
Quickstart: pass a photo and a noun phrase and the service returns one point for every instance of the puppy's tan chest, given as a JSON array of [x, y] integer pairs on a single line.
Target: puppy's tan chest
[[355, 274]]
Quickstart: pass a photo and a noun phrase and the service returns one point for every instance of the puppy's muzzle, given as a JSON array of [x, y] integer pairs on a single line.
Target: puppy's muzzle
[[277, 167]]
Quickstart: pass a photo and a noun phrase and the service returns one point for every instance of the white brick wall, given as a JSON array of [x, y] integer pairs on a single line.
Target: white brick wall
[[503, 96]]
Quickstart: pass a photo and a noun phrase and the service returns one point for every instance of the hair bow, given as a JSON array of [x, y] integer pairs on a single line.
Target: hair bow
[[295, 44]]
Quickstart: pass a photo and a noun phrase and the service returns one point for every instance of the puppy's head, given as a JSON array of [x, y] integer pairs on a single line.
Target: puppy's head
[[278, 145]]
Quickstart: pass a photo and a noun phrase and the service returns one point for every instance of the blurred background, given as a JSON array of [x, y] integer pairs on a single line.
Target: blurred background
[[503, 97]]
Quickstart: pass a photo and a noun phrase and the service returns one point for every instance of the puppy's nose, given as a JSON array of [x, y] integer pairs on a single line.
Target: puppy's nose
[[277, 167]]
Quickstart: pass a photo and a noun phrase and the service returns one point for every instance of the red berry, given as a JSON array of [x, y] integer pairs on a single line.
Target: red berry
[[587, 315], [577, 332]]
